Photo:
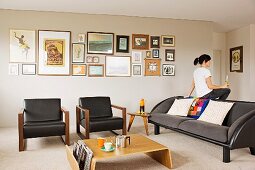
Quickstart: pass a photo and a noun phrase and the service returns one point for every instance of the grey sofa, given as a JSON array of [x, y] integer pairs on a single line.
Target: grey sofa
[[237, 130]]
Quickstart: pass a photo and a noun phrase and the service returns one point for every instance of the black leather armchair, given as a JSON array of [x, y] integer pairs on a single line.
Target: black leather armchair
[[42, 118], [94, 114]]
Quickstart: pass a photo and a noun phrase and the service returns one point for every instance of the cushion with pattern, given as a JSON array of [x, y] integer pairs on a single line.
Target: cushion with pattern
[[197, 107]]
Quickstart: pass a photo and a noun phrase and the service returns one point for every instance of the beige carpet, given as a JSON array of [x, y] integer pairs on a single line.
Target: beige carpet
[[187, 153]]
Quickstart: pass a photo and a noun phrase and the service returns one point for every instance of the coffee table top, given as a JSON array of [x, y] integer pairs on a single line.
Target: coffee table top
[[145, 114], [138, 144]]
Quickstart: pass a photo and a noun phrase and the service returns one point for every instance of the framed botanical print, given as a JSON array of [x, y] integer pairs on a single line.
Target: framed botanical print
[[155, 41], [79, 70], [96, 70], [136, 57], [152, 67], [136, 69], [100, 43], [116, 66], [168, 40], [168, 70], [28, 69], [54, 52], [140, 41], [122, 45], [155, 53], [22, 46], [78, 53], [169, 54], [236, 59]]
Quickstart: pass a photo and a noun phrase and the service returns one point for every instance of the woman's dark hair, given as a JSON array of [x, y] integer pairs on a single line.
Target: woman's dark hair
[[202, 58]]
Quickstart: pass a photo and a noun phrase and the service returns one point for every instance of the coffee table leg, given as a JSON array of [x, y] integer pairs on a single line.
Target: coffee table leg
[[162, 156], [132, 117], [145, 121], [93, 164]]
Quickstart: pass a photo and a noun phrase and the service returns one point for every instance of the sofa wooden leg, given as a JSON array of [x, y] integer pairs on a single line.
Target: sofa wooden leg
[[156, 129], [252, 150], [226, 155]]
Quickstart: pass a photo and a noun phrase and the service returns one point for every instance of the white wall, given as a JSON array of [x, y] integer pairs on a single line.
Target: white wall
[[192, 39]]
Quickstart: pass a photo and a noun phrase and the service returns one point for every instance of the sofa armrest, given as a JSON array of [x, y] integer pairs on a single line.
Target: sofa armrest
[[124, 116], [240, 133]]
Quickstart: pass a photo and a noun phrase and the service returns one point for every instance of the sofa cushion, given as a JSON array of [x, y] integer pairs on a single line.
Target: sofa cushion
[[197, 107], [205, 129], [180, 107], [168, 120]]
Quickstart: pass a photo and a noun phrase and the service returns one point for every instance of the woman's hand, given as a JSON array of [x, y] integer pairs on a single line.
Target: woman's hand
[[225, 85]]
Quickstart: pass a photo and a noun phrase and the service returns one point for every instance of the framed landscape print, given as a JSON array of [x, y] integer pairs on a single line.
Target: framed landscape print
[[116, 66], [28, 69], [168, 70], [100, 43], [236, 59], [140, 41], [53, 52], [22, 46], [155, 53], [137, 69], [122, 45], [168, 40], [155, 41], [13, 69], [136, 57], [169, 54], [79, 69], [96, 70], [78, 53], [152, 67]]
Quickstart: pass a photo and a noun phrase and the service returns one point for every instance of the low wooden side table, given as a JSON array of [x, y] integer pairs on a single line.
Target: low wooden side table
[[145, 120]]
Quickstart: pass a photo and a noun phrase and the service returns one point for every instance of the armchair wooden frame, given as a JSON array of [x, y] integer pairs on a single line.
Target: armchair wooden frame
[[21, 128], [86, 112]]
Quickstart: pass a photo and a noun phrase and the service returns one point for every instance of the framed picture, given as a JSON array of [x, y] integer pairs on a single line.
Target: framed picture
[[95, 59], [140, 41], [78, 53], [136, 57], [155, 41], [96, 70], [122, 45], [28, 69], [79, 70], [100, 43], [22, 46], [13, 69], [168, 70], [54, 52], [155, 53], [137, 69], [168, 40], [81, 38], [148, 54], [236, 59], [152, 67], [116, 66], [89, 59], [169, 54]]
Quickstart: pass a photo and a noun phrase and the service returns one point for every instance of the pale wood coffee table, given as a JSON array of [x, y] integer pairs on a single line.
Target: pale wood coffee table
[[139, 144]]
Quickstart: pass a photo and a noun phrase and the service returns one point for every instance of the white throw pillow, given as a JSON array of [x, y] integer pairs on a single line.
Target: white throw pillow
[[215, 112], [180, 107]]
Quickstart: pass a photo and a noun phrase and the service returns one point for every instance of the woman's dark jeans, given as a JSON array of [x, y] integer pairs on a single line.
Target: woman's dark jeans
[[221, 94]]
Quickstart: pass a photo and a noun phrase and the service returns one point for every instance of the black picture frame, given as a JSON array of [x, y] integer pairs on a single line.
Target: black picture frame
[[122, 43], [155, 41], [155, 53], [168, 70], [169, 54], [236, 59]]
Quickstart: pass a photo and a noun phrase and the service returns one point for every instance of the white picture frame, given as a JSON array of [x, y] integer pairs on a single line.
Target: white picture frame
[[13, 69], [28, 69], [168, 70], [117, 66], [137, 70], [136, 57]]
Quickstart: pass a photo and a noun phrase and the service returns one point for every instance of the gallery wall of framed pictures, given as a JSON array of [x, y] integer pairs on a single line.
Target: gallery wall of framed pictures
[[91, 54]]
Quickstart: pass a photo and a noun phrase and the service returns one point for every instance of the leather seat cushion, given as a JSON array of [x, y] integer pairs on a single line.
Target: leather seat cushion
[[103, 124], [44, 129]]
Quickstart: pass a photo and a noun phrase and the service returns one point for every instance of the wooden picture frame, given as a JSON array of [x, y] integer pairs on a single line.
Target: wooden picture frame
[[122, 44], [152, 67], [78, 53], [140, 41], [148, 54], [236, 59], [155, 41], [169, 54], [117, 66], [168, 40], [95, 70], [79, 69], [100, 43], [54, 52], [28, 69], [168, 70]]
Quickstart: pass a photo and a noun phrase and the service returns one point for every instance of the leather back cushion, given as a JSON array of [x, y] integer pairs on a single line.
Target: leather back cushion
[[238, 109], [42, 110], [97, 106]]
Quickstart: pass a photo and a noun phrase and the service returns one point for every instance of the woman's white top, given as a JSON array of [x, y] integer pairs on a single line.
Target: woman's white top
[[200, 75]]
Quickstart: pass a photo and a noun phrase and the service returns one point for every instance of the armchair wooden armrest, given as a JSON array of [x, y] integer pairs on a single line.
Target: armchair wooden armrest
[[124, 116], [66, 112], [78, 120], [20, 129]]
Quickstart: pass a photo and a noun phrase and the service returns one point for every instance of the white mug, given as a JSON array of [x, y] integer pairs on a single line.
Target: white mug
[[107, 146]]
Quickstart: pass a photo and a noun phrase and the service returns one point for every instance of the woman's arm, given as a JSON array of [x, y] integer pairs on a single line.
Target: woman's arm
[[192, 87], [212, 86]]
